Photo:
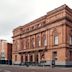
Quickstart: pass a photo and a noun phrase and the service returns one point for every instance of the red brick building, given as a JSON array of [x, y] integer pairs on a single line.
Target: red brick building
[[45, 39], [5, 52]]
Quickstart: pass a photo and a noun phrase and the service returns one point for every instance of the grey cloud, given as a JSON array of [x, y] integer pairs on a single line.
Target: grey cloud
[[14, 13]]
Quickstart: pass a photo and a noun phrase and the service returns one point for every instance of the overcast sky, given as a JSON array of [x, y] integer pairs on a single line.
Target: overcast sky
[[14, 13]]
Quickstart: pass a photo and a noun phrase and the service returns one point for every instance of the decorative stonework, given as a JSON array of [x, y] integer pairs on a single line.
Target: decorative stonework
[[37, 38]]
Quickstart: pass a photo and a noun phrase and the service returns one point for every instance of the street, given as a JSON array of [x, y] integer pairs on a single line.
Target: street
[[12, 68]]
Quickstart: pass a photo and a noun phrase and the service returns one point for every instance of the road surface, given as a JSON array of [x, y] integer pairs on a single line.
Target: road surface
[[12, 68]]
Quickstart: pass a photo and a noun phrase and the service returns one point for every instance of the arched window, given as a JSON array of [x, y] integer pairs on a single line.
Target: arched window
[[44, 41], [32, 43], [18, 44], [15, 46], [38, 42], [27, 43], [23, 44], [55, 39]]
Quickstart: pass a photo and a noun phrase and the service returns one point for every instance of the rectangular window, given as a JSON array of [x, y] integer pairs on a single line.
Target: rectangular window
[[70, 55], [26, 58], [45, 42], [2, 56], [55, 40], [54, 55], [39, 43], [70, 40], [15, 57]]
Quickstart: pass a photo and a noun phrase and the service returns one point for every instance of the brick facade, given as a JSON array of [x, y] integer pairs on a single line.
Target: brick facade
[[45, 39], [5, 51]]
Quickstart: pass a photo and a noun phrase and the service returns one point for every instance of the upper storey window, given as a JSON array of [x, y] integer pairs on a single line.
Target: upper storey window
[[55, 39], [23, 43], [27, 29], [43, 23], [32, 43], [27, 43], [18, 44], [15, 46], [70, 41], [38, 42], [32, 27], [44, 41], [38, 25]]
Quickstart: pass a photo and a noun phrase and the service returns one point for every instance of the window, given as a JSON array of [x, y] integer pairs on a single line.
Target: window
[[32, 27], [56, 40], [21, 58], [27, 43], [54, 55], [18, 44], [31, 58], [70, 40], [70, 55], [42, 56], [36, 58], [44, 41], [26, 58], [32, 43], [23, 44], [15, 57], [2, 55], [15, 46], [38, 42]]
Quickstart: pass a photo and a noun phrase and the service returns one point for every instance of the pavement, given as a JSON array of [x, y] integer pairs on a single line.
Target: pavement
[[14, 68]]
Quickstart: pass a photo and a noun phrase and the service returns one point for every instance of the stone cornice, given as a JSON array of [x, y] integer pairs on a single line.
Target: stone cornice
[[57, 15], [59, 9], [35, 21], [43, 28]]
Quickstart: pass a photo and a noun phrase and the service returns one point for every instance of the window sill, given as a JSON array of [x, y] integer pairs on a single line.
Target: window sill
[[55, 45]]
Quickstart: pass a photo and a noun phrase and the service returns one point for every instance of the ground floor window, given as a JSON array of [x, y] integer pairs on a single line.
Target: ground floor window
[[21, 58], [31, 58], [70, 41], [15, 57], [54, 55], [26, 58], [36, 58], [70, 55]]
